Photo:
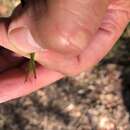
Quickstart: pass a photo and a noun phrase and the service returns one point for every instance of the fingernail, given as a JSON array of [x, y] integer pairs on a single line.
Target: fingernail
[[22, 39]]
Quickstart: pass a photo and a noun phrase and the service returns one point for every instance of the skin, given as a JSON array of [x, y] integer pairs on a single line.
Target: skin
[[64, 37]]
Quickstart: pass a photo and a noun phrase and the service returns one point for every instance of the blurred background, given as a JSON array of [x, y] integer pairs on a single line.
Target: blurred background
[[96, 100]]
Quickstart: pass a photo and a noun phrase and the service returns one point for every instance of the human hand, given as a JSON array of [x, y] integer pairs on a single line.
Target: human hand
[[74, 35], [92, 33], [13, 70]]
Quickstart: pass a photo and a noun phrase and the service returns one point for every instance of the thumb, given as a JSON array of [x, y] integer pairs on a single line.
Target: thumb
[[66, 27]]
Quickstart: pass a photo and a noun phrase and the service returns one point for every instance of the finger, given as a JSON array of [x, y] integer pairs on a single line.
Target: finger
[[13, 83], [58, 62], [61, 28], [4, 23], [122, 6], [4, 41], [112, 27]]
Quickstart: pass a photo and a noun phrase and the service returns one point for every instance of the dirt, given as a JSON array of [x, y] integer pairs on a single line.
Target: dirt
[[95, 100]]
